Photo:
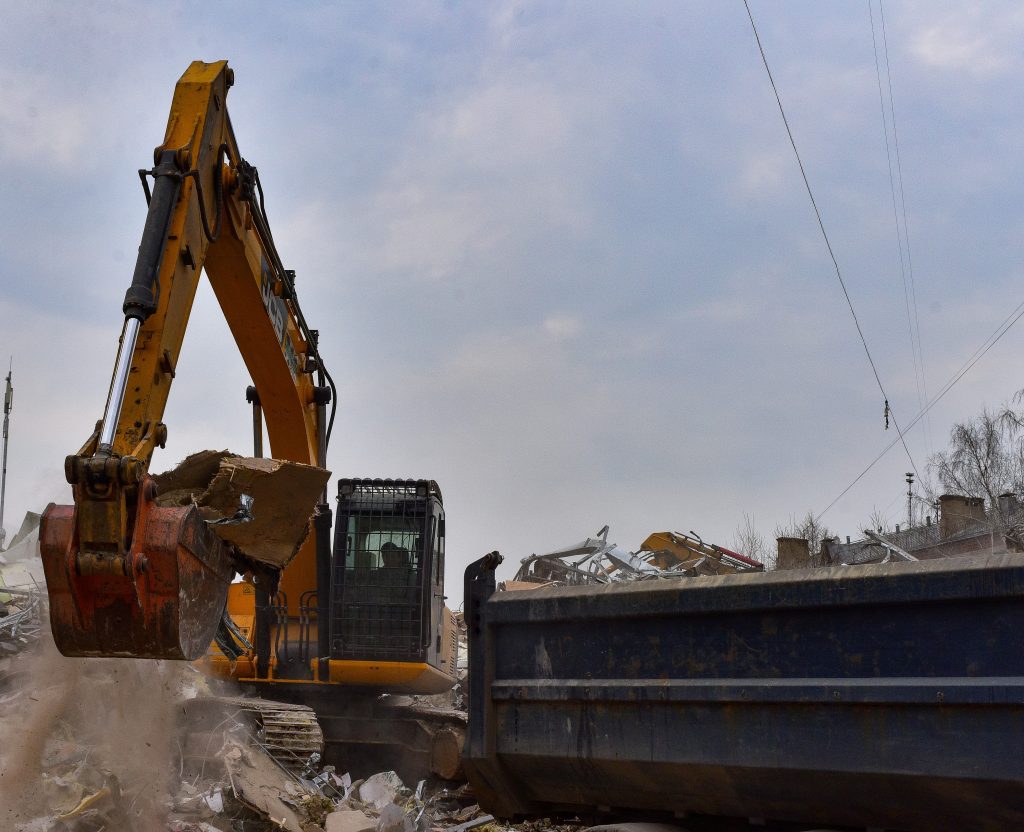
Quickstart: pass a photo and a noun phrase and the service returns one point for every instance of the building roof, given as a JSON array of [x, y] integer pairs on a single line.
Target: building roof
[[917, 539]]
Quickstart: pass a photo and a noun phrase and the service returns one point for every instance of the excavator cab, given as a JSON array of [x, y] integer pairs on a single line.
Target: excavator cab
[[387, 587]]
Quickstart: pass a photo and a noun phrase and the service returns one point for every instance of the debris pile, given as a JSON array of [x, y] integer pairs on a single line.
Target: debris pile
[[241, 782], [117, 744], [19, 619], [21, 589], [661, 555], [84, 742]]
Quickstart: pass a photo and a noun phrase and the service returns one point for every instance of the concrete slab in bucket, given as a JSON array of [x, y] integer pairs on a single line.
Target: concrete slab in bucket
[[284, 497]]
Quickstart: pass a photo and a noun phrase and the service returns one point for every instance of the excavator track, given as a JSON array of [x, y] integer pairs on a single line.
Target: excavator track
[[290, 733], [364, 733]]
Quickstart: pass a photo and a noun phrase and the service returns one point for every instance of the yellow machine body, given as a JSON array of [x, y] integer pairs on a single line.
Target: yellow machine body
[[128, 578]]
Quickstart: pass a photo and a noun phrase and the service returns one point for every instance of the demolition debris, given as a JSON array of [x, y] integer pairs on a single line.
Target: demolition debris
[[261, 506], [661, 555], [104, 744]]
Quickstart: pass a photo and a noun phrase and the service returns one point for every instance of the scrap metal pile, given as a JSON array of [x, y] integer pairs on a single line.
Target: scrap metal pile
[[661, 555], [21, 589], [19, 619]]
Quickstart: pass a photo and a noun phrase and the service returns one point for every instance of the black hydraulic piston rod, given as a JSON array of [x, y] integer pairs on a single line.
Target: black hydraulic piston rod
[[140, 301], [322, 527], [253, 398], [263, 611]]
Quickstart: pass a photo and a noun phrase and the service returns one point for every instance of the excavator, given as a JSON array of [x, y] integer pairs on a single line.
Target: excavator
[[130, 576], [875, 696]]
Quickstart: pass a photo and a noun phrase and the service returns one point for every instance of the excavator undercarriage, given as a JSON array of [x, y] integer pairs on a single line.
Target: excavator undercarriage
[[290, 733]]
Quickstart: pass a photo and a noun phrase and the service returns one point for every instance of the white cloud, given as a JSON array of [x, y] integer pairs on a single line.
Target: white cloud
[[430, 232], [762, 173], [977, 39], [562, 327], [40, 125], [510, 122]]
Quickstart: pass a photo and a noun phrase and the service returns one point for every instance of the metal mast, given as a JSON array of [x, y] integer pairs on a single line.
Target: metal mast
[[910, 499], [8, 403]]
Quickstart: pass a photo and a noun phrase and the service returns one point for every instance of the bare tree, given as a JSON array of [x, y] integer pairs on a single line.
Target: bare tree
[[985, 459], [813, 531], [747, 540], [980, 459], [877, 521]]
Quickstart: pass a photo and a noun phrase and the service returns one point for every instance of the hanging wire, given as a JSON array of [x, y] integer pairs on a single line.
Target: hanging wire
[[906, 225], [976, 356], [824, 235], [918, 372]]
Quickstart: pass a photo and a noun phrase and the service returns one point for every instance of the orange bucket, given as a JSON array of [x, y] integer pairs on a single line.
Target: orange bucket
[[168, 604]]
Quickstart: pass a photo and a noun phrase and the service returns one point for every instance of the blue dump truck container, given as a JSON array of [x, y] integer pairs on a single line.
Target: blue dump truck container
[[881, 696]]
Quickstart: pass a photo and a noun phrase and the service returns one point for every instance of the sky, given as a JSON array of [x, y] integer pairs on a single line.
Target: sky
[[560, 253]]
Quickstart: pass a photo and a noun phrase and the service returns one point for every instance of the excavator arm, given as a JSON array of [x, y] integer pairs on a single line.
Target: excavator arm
[[125, 575]]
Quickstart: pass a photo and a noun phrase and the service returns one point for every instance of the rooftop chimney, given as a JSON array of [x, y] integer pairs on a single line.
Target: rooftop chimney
[[958, 513], [794, 553], [1009, 505]]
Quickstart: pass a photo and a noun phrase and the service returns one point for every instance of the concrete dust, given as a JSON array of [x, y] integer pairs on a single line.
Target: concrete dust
[[69, 727], [26, 725]]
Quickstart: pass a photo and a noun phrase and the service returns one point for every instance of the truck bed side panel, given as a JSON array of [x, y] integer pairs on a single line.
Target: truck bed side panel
[[887, 696]]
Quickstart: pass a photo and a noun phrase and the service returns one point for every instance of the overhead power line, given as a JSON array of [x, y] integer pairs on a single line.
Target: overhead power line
[[914, 343], [975, 357], [828, 244], [906, 225], [902, 230]]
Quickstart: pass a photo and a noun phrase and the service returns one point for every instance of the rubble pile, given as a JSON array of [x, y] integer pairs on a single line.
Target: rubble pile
[[252, 791], [21, 590], [95, 745], [84, 742], [661, 555], [20, 624]]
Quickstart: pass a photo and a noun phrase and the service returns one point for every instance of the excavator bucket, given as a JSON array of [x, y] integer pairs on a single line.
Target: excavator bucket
[[165, 603]]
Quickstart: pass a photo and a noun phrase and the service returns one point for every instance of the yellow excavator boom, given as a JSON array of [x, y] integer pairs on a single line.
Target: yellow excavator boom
[[125, 575]]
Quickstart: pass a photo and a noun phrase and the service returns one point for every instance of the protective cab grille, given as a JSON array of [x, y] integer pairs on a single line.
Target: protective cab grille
[[382, 556]]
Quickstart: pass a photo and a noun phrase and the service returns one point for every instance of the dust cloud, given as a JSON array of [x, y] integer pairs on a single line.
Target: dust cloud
[[71, 728]]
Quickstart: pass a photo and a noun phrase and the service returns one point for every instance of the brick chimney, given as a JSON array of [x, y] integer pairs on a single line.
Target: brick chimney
[[1009, 505], [957, 513], [794, 553]]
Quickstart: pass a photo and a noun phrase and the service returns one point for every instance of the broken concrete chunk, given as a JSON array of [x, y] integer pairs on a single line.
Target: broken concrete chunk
[[259, 783], [189, 478], [191, 826], [283, 499], [381, 789], [348, 820], [395, 818]]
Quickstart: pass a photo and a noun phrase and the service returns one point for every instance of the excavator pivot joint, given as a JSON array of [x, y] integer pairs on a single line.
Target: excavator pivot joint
[[97, 473]]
